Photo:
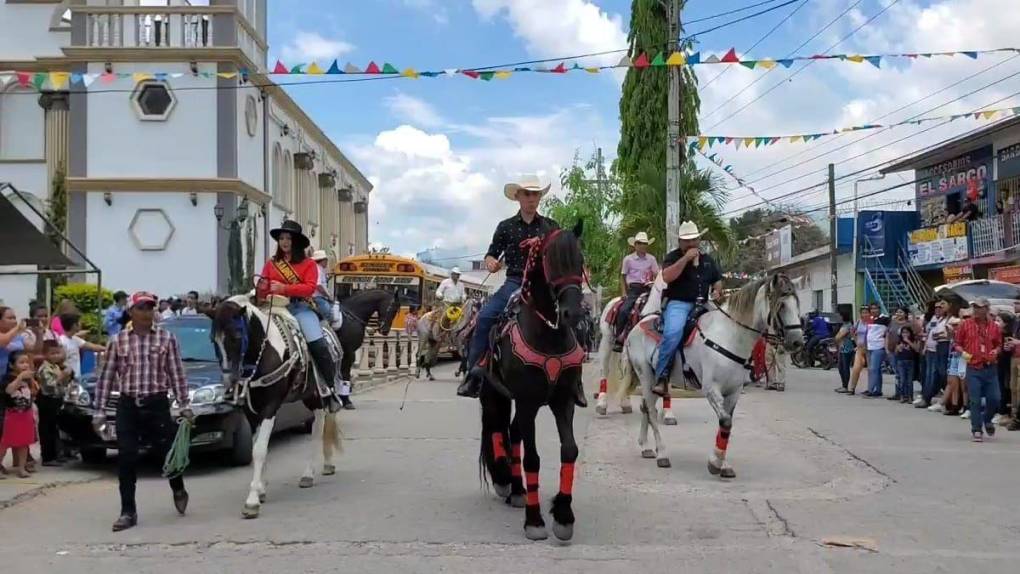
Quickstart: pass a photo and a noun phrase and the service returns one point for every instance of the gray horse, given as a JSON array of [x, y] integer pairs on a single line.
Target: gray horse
[[433, 336]]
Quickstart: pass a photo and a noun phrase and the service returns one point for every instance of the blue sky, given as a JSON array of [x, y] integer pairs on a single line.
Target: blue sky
[[440, 149]]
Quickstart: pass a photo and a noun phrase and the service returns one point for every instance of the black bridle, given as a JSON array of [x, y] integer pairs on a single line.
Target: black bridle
[[557, 287]]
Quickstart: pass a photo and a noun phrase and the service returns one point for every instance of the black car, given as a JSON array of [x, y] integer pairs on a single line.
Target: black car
[[220, 425]]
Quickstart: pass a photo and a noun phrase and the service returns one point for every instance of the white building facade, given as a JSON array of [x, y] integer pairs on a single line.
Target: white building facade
[[177, 167]]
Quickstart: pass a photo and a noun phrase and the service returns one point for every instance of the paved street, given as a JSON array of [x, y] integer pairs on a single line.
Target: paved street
[[811, 465]]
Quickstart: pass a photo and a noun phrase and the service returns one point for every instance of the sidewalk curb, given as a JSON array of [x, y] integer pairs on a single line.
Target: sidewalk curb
[[43, 489]]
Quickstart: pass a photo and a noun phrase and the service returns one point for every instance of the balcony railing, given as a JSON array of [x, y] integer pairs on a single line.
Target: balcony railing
[[994, 235]]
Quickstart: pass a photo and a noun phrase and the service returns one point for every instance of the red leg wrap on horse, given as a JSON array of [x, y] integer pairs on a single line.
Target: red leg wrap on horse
[[498, 450], [667, 402], [515, 460], [531, 481], [722, 439], [567, 478], [603, 386]]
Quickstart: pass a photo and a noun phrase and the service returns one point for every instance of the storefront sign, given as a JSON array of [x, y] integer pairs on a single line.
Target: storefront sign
[[936, 245], [952, 176], [1009, 161], [872, 234], [1010, 274], [779, 247], [953, 273]]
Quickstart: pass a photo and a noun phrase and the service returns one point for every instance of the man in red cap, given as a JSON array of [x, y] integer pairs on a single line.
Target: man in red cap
[[144, 364]]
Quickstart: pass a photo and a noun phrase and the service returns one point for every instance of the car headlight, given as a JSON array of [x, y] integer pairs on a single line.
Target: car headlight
[[207, 395], [77, 395]]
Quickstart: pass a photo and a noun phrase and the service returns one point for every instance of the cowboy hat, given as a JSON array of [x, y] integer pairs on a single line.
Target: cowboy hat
[[455, 271], [641, 237], [297, 235], [319, 255], [526, 183], [689, 230]]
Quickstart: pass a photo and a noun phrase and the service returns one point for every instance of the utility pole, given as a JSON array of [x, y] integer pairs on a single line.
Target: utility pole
[[674, 148], [833, 270]]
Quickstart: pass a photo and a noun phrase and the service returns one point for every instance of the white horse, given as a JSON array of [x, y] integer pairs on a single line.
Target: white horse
[[715, 359], [607, 358]]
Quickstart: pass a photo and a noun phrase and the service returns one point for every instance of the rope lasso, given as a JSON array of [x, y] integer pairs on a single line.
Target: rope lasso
[[178, 457]]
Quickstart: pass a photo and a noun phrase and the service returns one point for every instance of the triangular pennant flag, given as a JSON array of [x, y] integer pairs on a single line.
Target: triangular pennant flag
[[410, 73], [352, 69], [503, 74], [929, 55], [314, 69], [855, 59], [785, 63], [774, 140], [1016, 111], [989, 114], [176, 75], [541, 68], [471, 74], [795, 139], [758, 142], [431, 74], [139, 77], [972, 55], [125, 75], [911, 56], [731, 56], [702, 142], [729, 141], [576, 66], [487, 76], [694, 58], [641, 61], [59, 79], [334, 68], [624, 62], [372, 68], [161, 76], [659, 60], [713, 156], [874, 60], [297, 69], [87, 79], [767, 64], [676, 59], [76, 78], [748, 142], [107, 78], [592, 70], [450, 72], [39, 80], [560, 69], [280, 68], [6, 79], [209, 74], [389, 69], [712, 59], [23, 78], [232, 75], [749, 63]]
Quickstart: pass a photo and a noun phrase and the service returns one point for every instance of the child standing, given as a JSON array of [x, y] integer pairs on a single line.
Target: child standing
[[54, 377], [906, 356], [19, 422]]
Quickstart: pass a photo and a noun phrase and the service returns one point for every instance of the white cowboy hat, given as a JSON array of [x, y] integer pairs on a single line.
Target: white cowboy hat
[[641, 237], [689, 230], [527, 183], [455, 271], [319, 255]]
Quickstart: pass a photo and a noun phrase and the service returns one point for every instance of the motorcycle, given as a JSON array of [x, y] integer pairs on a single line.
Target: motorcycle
[[824, 355]]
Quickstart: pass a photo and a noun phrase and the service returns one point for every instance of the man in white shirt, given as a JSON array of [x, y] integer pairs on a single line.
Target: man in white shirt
[[451, 290], [191, 304]]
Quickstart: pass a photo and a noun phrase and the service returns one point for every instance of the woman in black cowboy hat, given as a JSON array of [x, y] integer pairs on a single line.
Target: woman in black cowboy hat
[[292, 274]]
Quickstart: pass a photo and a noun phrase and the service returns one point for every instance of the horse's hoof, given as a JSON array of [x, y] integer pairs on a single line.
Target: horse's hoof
[[250, 511], [626, 409], [262, 497], [600, 410], [535, 532], [727, 472], [669, 421], [662, 463], [648, 453], [306, 482], [431, 378], [713, 469], [502, 490], [516, 501], [328, 470], [563, 532]]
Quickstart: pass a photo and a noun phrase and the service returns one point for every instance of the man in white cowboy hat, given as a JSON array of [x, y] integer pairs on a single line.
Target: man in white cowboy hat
[[638, 271], [506, 251], [451, 290], [691, 277]]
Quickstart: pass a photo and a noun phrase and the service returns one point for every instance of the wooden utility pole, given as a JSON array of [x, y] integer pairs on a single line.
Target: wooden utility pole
[[833, 268], [674, 149]]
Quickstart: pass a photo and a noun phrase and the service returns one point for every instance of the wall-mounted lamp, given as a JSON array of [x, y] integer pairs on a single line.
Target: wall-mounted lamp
[[108, 197], [194, 68], [194, 199], [311, 230], [285, 130], [108, 67]]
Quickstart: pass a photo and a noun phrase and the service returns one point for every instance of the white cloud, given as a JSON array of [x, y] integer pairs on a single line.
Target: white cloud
[[438, 12], [308, 46], [415, 110], [552, 28]]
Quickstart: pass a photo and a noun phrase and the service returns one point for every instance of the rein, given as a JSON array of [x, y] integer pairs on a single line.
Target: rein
[[536, 249]]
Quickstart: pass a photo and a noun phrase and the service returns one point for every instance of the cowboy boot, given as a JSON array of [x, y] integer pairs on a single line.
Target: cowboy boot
[[579, 398], [327, 369], [661, 387]]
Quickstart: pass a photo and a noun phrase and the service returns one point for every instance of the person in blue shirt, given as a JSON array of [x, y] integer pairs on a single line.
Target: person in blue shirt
[[111, 317], [819, 331]]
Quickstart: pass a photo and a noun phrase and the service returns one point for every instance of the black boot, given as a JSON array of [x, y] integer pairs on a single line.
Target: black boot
[[472, 383], [579, 398], [327, 369]]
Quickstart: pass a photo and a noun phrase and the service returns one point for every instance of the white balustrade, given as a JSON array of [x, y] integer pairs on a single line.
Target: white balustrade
[[363, 367], [394, 349], [379, 362]]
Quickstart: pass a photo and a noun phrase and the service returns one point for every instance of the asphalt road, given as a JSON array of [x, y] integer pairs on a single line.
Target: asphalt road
[[813, 467]]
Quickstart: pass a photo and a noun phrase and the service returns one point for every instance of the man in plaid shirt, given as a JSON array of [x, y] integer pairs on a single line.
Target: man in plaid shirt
[[144, 364], [978, 340]]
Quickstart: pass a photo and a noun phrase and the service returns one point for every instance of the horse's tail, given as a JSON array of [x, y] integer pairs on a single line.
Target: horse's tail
[[332, 435], [627, 379]]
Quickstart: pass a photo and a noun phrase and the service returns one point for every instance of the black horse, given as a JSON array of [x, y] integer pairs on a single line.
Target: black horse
[[536, 361], [358, 309], [251, 343]]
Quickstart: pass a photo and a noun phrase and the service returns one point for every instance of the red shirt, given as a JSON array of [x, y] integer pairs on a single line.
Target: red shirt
[[981, 340], [307, 270]]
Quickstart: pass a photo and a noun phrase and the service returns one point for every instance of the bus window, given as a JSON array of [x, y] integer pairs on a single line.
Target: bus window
[[343, 290]]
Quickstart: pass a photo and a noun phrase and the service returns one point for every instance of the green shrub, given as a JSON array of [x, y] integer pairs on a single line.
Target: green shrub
[[84, 297], [93, 323]]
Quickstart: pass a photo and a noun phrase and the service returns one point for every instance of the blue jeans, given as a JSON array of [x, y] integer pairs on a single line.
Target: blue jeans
[[875, 359], [487, 317], [324, 307], [673, 321], [311, 328], [905, 378], [935, 365], [846, 361], [983, 382]]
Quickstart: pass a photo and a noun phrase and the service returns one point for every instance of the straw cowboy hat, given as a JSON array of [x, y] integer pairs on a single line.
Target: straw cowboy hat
[[319, 255], [526, 183], [689, 230], [641, 237]]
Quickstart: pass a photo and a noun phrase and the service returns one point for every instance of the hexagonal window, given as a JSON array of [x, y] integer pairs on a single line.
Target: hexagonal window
[[153, 100]]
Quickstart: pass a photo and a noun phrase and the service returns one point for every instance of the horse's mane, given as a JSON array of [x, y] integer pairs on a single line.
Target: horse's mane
[[741, 303], [563, 256]]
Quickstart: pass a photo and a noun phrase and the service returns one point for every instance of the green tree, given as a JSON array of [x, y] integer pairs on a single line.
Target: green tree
[[750, 228], [56, 213]]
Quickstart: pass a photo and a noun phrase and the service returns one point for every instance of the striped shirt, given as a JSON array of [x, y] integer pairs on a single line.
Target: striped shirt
[[981, 340], [141, 364]]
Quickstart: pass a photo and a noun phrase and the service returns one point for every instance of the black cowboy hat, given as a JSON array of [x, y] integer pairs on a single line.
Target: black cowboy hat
[[296, 234]]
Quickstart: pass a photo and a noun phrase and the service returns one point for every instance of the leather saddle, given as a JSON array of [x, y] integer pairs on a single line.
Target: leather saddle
[[633, 317]]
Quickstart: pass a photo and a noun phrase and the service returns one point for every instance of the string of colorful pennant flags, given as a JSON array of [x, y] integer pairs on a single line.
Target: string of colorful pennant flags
[[728, 168], [703, 142], [59, 80]]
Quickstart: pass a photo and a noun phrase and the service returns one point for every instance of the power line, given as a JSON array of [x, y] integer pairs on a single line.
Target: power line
[[727, 13], [739, 20], [802, 68]]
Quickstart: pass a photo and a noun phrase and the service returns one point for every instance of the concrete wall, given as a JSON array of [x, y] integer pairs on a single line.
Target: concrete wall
[[34, 38], [122, 145], [189, 260], [249, 148], [27, 177], [814, 276], [22, 123]]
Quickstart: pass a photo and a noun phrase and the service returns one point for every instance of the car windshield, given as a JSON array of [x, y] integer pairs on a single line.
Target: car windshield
[[990, 290], [193, 338]]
